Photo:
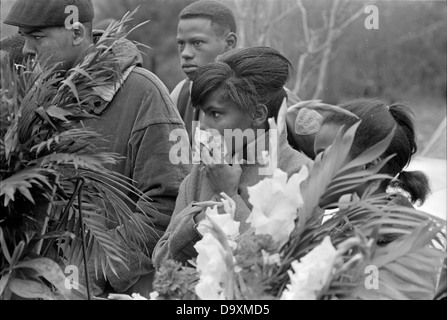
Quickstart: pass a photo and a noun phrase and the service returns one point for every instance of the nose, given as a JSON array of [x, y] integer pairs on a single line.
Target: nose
[[204, 123], [28, 49], [187, 53]]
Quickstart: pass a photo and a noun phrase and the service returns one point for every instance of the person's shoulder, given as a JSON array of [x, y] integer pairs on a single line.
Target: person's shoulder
[[291, 160], [179, 86], [175, 94], [145, 77], [157, 106], [143, 82]]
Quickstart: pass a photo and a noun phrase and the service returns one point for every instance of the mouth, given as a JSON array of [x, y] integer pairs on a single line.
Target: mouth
[[188, 69]]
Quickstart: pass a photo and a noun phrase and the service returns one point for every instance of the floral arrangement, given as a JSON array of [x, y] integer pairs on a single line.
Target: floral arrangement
[[294, 251]]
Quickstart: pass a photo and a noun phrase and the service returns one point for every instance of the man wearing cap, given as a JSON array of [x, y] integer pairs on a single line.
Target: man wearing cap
[[136, 114]]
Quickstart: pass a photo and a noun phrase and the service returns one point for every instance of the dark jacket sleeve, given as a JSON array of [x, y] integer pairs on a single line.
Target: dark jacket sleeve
[[178, 241], [158, 134], [156, 175]]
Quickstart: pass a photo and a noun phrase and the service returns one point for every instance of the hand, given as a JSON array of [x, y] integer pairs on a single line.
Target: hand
[[205, 204], [200, 208], [222, 177]]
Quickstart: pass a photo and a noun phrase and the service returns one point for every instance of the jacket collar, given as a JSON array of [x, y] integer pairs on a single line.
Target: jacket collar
[[128, 57]]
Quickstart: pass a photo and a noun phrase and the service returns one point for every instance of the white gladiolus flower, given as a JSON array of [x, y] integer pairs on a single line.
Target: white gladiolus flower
[[312, 273], [118, 296], [229, 204], [137, 296], [209, 289], [275, 203], [212, 267], [154, 295], [225, 221]]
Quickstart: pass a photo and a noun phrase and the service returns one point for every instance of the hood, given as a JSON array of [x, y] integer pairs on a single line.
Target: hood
[[128, 57], [124, 49]]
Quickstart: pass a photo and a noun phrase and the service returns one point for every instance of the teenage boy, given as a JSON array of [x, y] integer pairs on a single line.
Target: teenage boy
[[206, 29]]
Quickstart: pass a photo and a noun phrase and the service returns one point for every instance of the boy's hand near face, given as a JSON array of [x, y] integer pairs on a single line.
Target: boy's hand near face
[[222, 177]]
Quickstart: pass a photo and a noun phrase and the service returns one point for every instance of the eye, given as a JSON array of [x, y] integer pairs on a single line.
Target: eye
[[180, 44], [37, 37], [215, 114], [197, 43]]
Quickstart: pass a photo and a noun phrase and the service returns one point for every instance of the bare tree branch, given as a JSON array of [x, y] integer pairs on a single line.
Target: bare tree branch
[[299, 73], [304, 19], [351, 19], [327, 51]]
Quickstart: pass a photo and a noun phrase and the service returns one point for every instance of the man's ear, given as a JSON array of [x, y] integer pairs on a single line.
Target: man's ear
[[230, 41], [260, 115], [79, 33]]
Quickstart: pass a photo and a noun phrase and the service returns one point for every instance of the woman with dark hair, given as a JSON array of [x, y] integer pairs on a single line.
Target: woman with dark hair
[[237, 94], [378, 120]]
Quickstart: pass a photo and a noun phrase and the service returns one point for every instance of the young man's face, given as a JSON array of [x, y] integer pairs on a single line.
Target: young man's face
[[55, 43], [220, 115], [198, 44]]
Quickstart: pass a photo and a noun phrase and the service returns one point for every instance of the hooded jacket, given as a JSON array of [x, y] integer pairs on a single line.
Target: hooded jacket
[[136, 118]]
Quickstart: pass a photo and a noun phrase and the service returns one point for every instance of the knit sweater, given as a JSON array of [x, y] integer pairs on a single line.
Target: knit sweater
[[181, 235]]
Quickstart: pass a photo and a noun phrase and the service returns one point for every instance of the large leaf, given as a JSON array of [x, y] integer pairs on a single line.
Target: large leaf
[[325, 167], [408, 267], [319, 106], [4, 281], [30, 289], [50, 270], [4, 247], [22, 182]]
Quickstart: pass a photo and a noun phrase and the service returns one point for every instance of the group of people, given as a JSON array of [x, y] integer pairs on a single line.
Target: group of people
[[226, 88]]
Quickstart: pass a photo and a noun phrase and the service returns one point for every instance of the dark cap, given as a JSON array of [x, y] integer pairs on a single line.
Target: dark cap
[[48, 13]]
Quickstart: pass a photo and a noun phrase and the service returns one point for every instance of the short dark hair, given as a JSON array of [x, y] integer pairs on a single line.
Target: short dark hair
[[247, 77], [377, 121], [220, 16]]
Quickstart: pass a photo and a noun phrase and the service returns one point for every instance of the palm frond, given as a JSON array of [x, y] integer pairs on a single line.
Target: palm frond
[[408, 267], [330, 175], [22, 182], [399, 237]]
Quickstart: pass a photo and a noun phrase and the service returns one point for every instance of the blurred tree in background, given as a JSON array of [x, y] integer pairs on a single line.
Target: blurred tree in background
[[333, 54]]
